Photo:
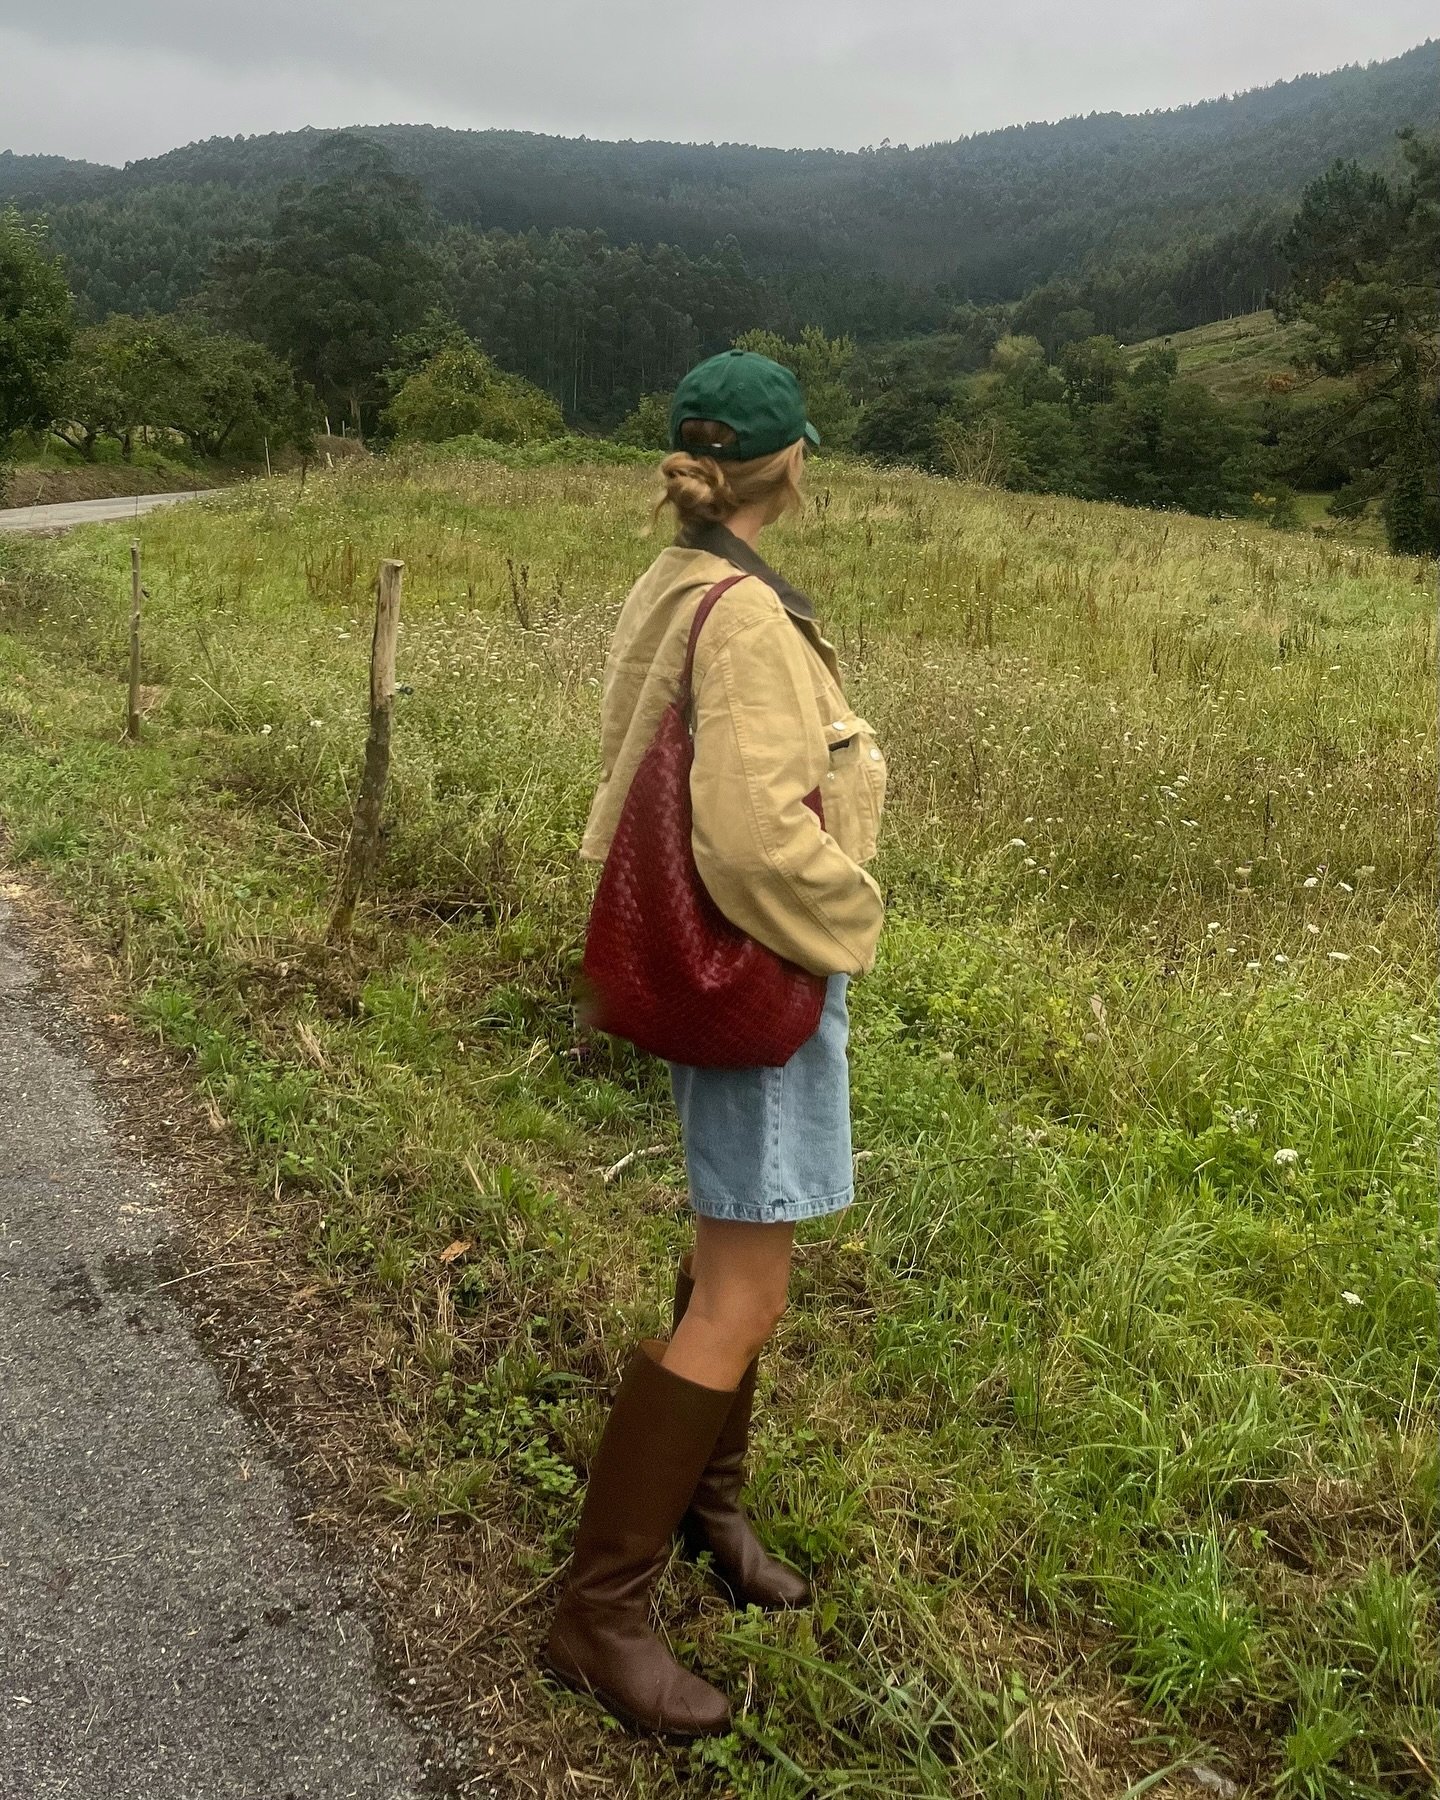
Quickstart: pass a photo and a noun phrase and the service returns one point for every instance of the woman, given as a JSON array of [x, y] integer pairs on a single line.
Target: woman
[[764, 1147]]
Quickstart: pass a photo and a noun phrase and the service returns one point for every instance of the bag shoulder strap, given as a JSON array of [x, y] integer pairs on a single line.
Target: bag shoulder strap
[[702, 613]]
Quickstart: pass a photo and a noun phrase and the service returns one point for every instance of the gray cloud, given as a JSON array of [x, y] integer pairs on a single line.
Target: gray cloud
[[94, 79]]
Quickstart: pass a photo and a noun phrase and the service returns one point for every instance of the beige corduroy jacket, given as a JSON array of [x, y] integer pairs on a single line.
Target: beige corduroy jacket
[[771, 725]]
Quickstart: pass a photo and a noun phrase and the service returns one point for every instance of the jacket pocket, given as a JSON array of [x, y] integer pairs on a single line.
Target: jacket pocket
[[854, 788]]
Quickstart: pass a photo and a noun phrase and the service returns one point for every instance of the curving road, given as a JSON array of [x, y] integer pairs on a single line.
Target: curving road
[[64, 514]]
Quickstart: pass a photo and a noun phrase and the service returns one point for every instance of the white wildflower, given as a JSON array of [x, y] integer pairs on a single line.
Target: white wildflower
[[1350, 1297], [1286, 1159], [1017, 843], [1310, 881]]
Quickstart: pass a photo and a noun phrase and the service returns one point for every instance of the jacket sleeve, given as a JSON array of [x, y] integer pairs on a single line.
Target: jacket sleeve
[[764, 858]]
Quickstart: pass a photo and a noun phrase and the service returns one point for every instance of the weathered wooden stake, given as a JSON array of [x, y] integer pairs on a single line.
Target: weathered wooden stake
[[132, 705], [362, 852]]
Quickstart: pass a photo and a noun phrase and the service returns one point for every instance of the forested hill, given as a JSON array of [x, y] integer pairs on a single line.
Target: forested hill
[[988, 216]]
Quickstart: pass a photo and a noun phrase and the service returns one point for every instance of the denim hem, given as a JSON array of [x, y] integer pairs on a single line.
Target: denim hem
[[787, 1212]]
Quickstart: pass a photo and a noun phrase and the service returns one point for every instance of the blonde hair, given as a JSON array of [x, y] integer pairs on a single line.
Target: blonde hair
[[704, 490]]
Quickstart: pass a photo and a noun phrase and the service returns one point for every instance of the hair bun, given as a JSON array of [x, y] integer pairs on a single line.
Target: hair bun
[[696, 486]]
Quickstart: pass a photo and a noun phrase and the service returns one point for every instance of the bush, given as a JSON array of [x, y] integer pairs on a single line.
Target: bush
[[647, 425], [459, 392]]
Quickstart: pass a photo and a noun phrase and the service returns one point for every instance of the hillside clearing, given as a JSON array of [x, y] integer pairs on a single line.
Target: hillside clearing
[[1104, 1420]]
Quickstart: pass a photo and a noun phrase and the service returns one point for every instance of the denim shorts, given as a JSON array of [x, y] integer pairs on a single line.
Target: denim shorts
[[772, 1145]]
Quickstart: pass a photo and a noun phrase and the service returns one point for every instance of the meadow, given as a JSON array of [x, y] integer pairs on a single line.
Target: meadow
[[1104, 1421]]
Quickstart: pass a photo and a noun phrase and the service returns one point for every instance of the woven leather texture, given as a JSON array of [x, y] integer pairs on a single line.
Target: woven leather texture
[[663, 966]]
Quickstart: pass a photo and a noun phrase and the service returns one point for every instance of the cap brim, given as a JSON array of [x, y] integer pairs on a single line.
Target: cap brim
[[812, 436]]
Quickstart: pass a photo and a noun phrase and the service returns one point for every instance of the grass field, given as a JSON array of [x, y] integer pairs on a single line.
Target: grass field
[[1235, 358], [1104, 1421]]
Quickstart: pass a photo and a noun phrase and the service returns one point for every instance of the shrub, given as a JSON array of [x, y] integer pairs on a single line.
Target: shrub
[[459, 392]]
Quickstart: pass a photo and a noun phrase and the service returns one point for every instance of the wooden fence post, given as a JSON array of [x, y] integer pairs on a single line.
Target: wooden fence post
[[132, 705], [362, 852]]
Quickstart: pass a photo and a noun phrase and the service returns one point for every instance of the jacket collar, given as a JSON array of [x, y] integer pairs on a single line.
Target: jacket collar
[[715, 540]]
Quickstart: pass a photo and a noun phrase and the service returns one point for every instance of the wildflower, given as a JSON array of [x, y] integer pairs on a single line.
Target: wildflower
[[1252, 966], [1281, 957], [1286, 1159], [315, 724], [1310, 881], [1312, 928], [1017, 843], [1350, 1297], [1214, 925], [265, 730]]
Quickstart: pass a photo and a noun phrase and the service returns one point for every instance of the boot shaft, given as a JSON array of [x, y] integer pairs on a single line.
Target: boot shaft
[[658, 1439]]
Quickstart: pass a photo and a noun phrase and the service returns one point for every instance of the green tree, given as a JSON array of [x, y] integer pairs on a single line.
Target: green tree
[[1019, 365], [1169, 443], [1363, 254], [459, 392], [225, 395], [112, 382], [822, 364], [1156, 367], [36, 316], [899, 424], [90, 396], [1091, 368], [346, 270]]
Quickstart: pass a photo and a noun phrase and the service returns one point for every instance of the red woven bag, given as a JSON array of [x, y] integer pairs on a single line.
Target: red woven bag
[[663, 966]]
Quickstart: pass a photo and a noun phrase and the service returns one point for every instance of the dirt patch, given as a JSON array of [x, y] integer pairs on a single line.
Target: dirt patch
[[42, 486], [450, 1606]]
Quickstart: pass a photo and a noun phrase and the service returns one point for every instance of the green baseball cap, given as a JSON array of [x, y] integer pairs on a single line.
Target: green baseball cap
[[760, 400]]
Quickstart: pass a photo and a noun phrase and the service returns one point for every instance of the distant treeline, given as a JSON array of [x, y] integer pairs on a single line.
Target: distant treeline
[[1159, 221]]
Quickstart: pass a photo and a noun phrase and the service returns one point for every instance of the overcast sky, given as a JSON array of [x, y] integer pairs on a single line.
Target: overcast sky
[[111, 82]]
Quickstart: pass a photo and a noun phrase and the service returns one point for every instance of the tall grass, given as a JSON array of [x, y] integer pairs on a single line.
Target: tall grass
[[1104, 1419]]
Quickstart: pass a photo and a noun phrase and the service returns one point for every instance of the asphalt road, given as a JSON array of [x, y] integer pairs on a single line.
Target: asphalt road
[[165, 1631], [89, 512]]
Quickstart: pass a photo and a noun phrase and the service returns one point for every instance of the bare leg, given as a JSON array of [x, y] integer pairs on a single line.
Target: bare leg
[[741, 1275]]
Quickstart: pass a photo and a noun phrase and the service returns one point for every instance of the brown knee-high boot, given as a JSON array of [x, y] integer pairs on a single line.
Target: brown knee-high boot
[[714, 1520], [657, 1441]]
